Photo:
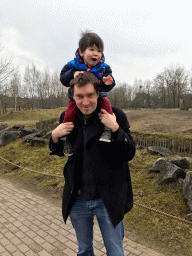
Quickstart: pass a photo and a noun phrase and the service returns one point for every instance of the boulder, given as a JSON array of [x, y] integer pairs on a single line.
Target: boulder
[[3, 126], [47, 135], [24, 132], [159, 150], [8, 136], [37, 134], [187, 189], [37, 142], [168, 172], [181, 162], [159, 165], [17, 127]]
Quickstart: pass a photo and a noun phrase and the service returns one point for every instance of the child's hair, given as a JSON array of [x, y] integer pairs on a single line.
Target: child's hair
[[83, 79], [88, 39]]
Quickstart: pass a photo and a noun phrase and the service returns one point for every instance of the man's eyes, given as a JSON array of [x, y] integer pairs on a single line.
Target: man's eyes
[[80, 97]]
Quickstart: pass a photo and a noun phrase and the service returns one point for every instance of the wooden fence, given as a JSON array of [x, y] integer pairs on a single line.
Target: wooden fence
[[183, 148]]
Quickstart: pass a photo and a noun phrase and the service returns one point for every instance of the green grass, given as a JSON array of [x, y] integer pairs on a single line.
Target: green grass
[[33, 158], [29, 118], [156, 231], [169, 235]]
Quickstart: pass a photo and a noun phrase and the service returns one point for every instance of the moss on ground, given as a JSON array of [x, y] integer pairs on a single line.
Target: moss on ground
[[167, 234], [34, 158]]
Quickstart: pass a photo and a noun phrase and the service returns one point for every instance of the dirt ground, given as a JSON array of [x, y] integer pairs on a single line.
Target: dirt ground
[[173, 121]]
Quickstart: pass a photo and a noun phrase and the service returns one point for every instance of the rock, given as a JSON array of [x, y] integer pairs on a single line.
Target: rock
[[159, 150], [181, 162], [35, 132], [159, 165], [17, 127], [8, 136], [171, 175], [3, 126], [24, 132], [37, 142], [168, 172], [47, 135], [29, 137], [187, 189]]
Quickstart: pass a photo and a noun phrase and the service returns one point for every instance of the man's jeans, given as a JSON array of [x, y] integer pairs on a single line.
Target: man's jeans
[[81, 216]]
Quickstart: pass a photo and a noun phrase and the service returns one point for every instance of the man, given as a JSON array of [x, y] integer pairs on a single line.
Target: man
[[97, 177]]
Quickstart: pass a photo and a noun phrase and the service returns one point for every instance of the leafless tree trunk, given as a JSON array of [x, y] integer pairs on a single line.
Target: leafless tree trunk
[[6, 70], [15, 85]]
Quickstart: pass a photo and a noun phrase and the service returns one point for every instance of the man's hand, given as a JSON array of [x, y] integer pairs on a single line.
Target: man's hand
[[108, 80], [61, 131], [108, 120], [77, 73]]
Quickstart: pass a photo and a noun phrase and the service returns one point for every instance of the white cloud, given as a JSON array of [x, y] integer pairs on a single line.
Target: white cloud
[[12, 41], [140, 37]]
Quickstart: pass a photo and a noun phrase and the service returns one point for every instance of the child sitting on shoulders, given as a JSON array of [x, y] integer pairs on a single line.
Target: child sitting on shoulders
[[89, 57]]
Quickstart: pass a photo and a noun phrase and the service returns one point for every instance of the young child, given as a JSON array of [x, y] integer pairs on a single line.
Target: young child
[[89, 57]]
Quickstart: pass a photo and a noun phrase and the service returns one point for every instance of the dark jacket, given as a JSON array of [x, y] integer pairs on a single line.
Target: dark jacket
[[100, 70], [109, 163]]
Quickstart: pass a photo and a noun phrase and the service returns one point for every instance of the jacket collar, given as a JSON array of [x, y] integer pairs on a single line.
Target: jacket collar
[[92, 122]]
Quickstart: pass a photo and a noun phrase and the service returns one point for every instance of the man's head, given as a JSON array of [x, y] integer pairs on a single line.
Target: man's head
[[91, 48], [85, 91]]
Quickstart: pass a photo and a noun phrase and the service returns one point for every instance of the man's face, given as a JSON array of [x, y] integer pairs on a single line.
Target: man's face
[[86, 98]]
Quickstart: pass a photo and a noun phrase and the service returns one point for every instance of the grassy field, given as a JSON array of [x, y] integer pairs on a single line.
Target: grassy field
[[164, 234]]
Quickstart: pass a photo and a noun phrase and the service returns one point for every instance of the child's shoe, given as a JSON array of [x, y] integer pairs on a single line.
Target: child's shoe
[[106, 135], [67, 148]]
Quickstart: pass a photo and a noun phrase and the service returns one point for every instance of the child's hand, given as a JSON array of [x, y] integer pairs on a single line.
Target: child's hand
[[77, 73], [108, 80]]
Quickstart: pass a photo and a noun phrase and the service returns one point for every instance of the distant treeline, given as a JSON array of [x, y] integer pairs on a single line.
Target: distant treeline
[[171, 88]]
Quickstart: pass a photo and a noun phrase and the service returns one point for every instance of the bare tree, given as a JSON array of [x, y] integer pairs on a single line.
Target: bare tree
[[58, 91], [171, 84], [6, 70], [15, 85], [32, 80], [147, 96]]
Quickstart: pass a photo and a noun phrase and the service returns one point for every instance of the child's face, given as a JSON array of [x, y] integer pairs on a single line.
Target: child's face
[[91, 55]]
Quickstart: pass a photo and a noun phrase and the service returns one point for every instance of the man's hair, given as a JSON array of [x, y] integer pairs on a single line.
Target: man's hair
[[84, 79], [88, 39]]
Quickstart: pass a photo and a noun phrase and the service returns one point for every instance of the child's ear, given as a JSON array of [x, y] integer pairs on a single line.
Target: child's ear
[[80, 52]]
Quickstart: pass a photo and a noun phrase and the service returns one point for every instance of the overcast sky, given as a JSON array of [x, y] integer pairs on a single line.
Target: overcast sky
[[141, 37]]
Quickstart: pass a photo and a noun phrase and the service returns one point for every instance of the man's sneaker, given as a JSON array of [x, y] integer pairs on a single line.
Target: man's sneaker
[[106, 135], [67, 148]]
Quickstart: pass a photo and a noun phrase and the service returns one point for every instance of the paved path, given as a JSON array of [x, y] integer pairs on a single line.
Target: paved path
[[32, 226]]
